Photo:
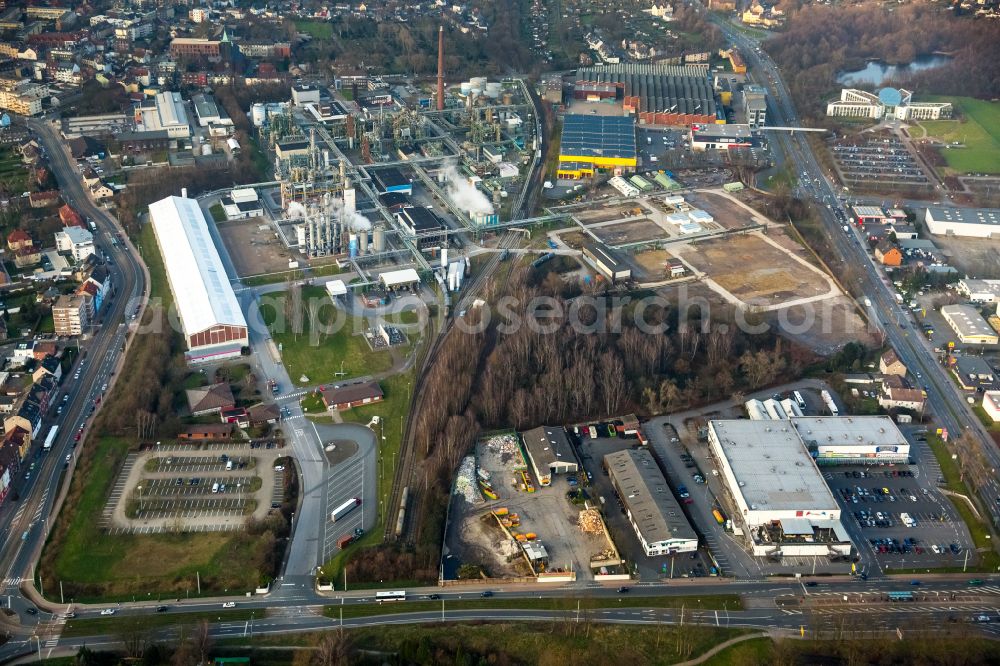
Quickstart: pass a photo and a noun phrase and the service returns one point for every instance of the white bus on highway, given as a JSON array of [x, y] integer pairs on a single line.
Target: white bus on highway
[[399, 595], [50, 438]]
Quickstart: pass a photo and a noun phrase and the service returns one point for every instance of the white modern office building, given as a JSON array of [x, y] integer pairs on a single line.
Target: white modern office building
[[888, 103]]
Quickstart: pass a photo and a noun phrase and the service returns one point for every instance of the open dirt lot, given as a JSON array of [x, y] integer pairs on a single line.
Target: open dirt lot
[[755, 271], [634, 231], [652, 261], [728, 214], [254, 250], [602, 213], [972, 256]]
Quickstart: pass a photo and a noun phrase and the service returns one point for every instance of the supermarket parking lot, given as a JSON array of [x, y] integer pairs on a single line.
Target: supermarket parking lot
[[898, 515]]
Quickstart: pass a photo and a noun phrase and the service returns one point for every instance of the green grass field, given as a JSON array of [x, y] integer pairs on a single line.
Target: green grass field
[[978, 131], [96, 626], [319, 355], [13, 175], [315, 29]]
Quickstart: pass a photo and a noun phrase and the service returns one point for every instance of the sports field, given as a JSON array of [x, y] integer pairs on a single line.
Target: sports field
[[978, 133]]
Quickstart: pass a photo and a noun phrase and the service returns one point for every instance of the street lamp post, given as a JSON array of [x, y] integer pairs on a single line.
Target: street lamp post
[[139, 489]]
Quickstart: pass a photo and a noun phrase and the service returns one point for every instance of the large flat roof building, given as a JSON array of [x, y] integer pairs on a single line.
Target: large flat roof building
[[163, 113], [721, 137], [980, 291], [211, 320], [890, 103], [970, 222], [651, 507], [780, 496], [852, 439], [657, 94], [549, 452], [596, 142], [969, 325], [771, 474]]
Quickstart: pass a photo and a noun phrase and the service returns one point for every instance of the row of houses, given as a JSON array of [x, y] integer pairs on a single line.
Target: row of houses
[[25, 396]]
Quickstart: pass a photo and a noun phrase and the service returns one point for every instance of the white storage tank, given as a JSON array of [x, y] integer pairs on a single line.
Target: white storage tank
[[258, 114], [362, 242], [465, 87], [378, 239]]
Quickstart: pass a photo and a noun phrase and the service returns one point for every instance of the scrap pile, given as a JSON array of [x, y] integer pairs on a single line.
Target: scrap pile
[[466, 482], [589, 521], [504, 446]]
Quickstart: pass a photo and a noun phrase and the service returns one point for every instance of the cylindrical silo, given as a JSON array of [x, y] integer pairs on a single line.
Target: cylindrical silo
[[362, 242], [258, 114], [378, 239]]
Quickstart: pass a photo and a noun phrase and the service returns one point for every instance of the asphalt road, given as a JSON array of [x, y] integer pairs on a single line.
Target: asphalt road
[[28, 520], [943, 398], [784, 605], [308, 548]]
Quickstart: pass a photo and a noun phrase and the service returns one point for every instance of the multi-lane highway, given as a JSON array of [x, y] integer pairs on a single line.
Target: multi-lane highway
[[27, 521], [945, 401], [774, 605]]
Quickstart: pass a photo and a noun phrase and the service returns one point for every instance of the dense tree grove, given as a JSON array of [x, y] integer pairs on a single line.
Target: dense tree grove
[[577, 358], [820, 41]]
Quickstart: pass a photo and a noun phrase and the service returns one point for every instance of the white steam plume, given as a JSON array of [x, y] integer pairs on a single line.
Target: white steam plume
[[354, 221], [296, 211], [465, 195]]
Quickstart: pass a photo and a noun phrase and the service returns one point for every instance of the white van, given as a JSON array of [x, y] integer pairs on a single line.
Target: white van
[[229, 465], [215, 487]]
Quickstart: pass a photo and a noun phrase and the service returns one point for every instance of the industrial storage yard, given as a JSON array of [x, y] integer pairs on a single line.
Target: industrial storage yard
[[500, 534]]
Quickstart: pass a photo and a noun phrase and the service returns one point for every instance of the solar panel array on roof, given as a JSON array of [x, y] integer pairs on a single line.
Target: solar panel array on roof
[[598, 136], [683, 89]]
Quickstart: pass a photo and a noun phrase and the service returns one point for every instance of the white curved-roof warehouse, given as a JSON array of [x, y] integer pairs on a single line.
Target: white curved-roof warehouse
[[203, 295]]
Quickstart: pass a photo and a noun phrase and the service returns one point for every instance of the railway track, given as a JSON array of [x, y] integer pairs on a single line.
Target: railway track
[[404, 476]]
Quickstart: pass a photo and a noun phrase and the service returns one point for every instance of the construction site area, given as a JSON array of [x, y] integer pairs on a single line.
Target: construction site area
[[504, 523]]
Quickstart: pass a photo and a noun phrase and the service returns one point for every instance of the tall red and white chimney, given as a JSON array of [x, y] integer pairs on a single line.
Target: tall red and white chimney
[[440, 90]]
